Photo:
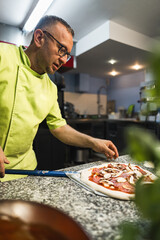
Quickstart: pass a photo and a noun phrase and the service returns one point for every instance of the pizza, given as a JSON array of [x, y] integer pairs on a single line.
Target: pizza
[[116, 179]]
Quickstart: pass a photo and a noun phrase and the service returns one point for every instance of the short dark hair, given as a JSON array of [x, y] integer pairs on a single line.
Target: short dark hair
[[51, 20]]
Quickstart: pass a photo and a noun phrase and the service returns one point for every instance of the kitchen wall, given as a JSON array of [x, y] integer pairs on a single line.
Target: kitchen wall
[[94, 83], [85, 102], [125, 90], [13, 35]]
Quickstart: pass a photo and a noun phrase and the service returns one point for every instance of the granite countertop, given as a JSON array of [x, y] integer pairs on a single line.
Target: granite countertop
[[98, 216]]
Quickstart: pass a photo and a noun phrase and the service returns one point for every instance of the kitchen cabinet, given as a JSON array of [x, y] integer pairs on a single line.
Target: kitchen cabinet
[[50, 152], [53, 154], [98, 129], [94, 128], [115, 131]]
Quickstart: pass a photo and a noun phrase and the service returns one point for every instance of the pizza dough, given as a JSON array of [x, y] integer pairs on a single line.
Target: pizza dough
[[111, 174]]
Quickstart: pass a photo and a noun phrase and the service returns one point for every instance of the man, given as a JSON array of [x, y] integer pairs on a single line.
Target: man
[[27, 97]]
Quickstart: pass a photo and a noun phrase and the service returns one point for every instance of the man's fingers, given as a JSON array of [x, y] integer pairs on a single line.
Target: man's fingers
[[6, 161], [112, 153], [2, 169], [3, 160], [109, 154], [113, 147]]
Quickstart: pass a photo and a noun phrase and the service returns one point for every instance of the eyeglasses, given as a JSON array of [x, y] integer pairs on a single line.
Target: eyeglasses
[[62, 51]]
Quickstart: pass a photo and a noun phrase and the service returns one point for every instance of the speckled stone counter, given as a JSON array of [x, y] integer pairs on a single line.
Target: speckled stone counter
[[98, 216]]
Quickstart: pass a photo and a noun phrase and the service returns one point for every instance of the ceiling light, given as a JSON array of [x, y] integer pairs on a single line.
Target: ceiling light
[[112, 61], [36, 14], [137, 67], [113, 73]]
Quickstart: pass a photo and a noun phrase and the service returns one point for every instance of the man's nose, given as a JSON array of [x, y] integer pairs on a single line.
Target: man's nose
[[63, 59]]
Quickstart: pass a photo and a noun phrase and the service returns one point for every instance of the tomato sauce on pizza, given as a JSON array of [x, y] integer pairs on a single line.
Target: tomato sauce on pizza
[[119, 177]]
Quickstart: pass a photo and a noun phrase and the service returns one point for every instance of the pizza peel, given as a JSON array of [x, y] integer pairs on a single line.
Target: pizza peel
[[44, 173], [76, 178], [73, 175]]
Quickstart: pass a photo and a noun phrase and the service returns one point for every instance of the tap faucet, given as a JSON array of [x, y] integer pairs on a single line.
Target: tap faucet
[[99, 100]]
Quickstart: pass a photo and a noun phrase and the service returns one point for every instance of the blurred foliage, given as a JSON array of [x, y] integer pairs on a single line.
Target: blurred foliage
[[130, 231], [152, 92], [143, 146], [147, 199], [134, 231], [155, 70]]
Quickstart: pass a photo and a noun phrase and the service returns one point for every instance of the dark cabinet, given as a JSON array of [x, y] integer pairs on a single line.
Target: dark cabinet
[[98, 129], [90, 127], [50, 152], [111, 132], [116, 132], [94, 128]]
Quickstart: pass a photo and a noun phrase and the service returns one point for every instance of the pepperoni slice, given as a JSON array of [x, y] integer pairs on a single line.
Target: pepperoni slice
[[114, 182], [141, 170], [95, 178]]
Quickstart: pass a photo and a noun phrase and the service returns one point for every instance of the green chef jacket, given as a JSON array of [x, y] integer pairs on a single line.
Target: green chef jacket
[[26, 99]]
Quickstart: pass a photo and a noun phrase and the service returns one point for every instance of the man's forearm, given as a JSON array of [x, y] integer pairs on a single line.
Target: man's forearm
[[70, 136]]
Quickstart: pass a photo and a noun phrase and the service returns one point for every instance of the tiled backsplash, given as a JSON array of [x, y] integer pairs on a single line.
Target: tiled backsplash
[[85, 103]]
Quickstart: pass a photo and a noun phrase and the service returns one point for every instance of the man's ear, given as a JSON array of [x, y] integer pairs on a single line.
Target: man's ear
[[39, 37]]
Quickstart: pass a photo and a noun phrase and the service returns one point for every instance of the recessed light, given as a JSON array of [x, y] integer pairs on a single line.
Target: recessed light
[[112, 61], [113, 73], [137, 67]]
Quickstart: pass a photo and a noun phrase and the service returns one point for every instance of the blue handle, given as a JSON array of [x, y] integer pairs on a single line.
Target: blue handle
[[37, 172]]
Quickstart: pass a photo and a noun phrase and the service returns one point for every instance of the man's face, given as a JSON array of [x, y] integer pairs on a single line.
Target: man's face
[[48, 59]]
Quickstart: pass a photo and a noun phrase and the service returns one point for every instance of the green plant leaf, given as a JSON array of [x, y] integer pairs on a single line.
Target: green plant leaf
[[147, 198], [155, 69], [155, 231], [129, 231], [142, 145]]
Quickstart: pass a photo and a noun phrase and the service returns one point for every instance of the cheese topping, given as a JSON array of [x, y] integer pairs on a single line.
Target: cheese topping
[[120, 176]]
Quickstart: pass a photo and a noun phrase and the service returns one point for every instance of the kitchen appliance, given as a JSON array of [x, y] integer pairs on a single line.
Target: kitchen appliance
[[122, 112], [69, 111], [82, 155]]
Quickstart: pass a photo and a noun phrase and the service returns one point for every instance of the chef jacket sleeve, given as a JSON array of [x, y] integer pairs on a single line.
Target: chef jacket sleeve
[[54, 118]]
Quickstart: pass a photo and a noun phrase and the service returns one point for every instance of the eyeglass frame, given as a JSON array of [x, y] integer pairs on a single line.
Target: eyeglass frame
[[61, 46]]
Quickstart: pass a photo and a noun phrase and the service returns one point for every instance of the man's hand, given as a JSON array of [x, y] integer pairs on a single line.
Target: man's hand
[[70, 136], [106, 147], [3, 160]]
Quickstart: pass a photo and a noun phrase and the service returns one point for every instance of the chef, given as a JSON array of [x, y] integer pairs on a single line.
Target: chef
[[28, 96]]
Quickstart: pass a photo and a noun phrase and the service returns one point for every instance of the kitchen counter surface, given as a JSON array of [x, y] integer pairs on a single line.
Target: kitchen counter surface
[[98, 216], [81, 120]]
